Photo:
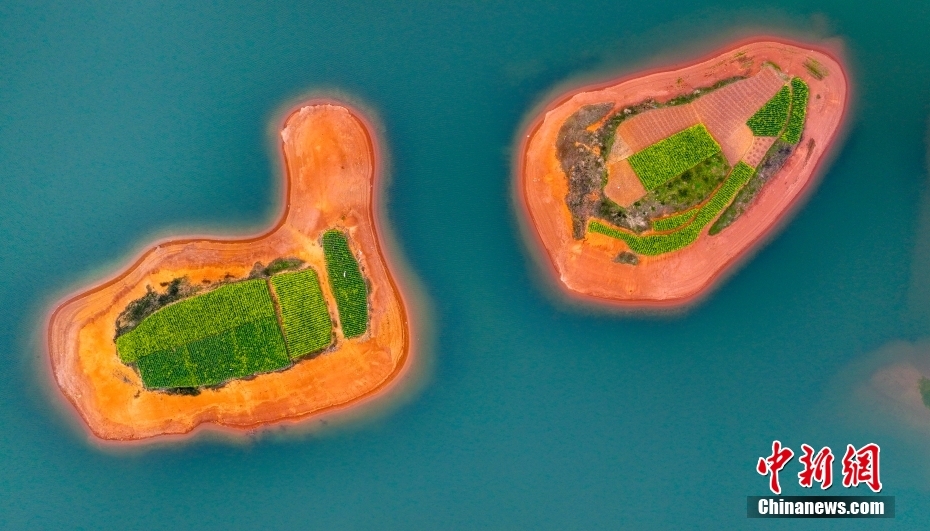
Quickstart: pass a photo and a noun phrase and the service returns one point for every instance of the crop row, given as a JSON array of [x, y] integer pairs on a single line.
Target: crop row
[[304, 316], [348, 285], [664, 243], [769, 120], [197, 317], [672, 156], [799, 95], [251, 348], [674, 221]]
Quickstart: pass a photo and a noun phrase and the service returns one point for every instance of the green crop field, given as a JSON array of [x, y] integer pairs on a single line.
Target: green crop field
[[197, 317], [672, 156], [664, 243], [233, 331], [771, 118], [250, 348], [674, 221], [347, 284], [307, 325], [799, 94]]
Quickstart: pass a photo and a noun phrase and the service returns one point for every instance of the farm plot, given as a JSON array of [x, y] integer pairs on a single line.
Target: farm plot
[[799, 94], [649, 127], [726, 111], [195, 318], [771, 118], [656, 244], [674, 221], [348, 285], [251, 348], [671, 157], [760, 147], [305, 318]]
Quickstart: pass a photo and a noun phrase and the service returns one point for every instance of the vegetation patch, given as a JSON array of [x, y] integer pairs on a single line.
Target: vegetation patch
[[671, 156], [656, 244], [151, 302], [305, 318], [674, 221], [251, 348], [799, 95], [690, 188], [578, 151], [770, 165], [628, 258], [347, 284], [924, 386], [276, 266], [771, 118], [697, 93], [815, 68], [195, 318]]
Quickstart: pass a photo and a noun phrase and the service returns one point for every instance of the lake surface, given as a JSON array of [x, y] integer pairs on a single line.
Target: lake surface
[[122, 124]]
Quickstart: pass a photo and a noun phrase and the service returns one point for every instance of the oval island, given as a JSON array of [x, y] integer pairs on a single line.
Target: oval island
[[243, 333], [643, 191]]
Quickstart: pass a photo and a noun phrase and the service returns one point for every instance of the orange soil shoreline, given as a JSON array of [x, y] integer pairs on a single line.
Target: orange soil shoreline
[[368, 367], [577, 283]]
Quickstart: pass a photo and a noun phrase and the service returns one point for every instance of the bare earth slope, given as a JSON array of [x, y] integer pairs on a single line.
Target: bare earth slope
[[330, 161], [587, 267]]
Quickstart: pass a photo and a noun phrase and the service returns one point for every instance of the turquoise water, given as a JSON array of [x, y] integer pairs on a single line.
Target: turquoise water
[[125, 123]]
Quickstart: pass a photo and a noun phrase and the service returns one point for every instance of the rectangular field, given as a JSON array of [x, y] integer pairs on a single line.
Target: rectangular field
[[201, 316], [348, 285], [799, 94], [307, 325], [250, 348], [671, 157]]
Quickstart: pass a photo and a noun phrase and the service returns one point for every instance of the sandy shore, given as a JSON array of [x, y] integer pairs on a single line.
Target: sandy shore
[[331, 166], [586, 268]]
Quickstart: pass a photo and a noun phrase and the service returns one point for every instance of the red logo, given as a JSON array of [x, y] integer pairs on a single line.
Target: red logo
[[859, 466], [819, 469], [773, 464]]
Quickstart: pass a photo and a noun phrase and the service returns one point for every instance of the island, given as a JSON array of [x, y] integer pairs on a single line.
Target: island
[[643, 191], [299, 321]]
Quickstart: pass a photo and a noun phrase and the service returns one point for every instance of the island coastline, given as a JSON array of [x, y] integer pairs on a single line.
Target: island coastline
[[539, 241], [58, 337]]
